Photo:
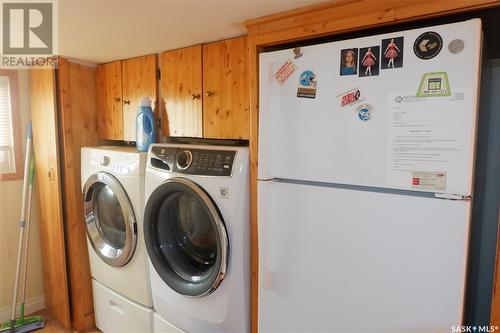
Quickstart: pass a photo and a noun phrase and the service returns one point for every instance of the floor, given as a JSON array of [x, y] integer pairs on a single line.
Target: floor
[[52, 325]]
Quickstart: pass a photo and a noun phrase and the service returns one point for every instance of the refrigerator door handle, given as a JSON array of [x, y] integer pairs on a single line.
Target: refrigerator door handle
[[451, 196]]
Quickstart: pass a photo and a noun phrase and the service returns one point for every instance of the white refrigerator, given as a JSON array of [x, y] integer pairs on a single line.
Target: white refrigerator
[[365, 179]]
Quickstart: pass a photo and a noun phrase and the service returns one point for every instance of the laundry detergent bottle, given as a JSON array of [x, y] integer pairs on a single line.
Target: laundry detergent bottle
[[144, 125]]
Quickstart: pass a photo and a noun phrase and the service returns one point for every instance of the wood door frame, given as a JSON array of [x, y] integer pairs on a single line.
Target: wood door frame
[[495, 298], [72, 139], [324, 19]]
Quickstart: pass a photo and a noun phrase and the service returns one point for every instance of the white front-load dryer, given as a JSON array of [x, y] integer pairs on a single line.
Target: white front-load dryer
[[196, 228], [113, 199]]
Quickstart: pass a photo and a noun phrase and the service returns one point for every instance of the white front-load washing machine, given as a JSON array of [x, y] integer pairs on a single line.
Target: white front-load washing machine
[[113, 200], [196, 229]]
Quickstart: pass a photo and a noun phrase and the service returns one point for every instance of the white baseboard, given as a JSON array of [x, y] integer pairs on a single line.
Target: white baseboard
[[30, 305]]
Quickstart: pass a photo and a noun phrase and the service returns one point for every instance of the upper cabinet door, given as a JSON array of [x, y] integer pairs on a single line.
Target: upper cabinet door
[[225, 89], [109, 101], [138, 80], [182, 92]]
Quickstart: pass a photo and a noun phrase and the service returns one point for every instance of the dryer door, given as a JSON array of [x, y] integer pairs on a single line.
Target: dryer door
[[110, 219], [186, 237]]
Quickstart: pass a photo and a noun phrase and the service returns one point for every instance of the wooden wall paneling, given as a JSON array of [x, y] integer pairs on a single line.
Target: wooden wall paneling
[[138, 80], [78, 128], [48, 186], [109, 101], [225, 89], [333, 17], [181, 91]]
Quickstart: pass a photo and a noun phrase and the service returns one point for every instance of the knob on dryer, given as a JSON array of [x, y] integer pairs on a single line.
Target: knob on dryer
[[184, 159], [104, 161]]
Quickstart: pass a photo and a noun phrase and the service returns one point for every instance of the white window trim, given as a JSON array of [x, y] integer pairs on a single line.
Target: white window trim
[[16, 125]]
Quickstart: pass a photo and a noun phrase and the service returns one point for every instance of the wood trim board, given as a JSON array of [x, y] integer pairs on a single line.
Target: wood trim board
[[78, 128], [495, 301]]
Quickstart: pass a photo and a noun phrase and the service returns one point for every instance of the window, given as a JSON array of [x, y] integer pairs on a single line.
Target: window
[[10, 150]]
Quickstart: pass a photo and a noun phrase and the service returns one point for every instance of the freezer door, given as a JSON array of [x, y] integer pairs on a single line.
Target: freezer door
[[387, 137], [333, 260]]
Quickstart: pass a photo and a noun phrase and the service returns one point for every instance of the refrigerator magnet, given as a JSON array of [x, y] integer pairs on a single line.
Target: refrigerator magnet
[[456, 46], [365, 112], [307, 85], [349, 62], [297, 53], [285, 71], [434, 84], [428, 180], [393, 53], [428, 45], [351, 97], [369, 63]]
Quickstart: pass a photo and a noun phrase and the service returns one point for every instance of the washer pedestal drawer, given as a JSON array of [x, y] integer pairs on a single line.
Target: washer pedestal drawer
[[162, 326], [115, 313]]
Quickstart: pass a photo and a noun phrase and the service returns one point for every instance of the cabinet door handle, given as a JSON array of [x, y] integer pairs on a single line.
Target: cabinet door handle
[[193, 96], [209, 93], [126, 101], [117, 99], [51, 174]]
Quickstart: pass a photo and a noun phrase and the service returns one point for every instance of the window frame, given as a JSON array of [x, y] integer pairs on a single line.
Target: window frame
[[16, 125]]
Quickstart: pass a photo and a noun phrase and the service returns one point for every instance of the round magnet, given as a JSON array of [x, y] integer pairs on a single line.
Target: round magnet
[[365, 112], [428, 45], [307, 79], [456, 46]]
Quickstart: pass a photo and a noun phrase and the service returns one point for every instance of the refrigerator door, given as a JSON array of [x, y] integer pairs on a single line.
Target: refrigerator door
[[335, 260], [387, 137]]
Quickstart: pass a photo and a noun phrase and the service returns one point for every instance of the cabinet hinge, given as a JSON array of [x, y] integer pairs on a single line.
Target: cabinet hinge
[[158, 74]]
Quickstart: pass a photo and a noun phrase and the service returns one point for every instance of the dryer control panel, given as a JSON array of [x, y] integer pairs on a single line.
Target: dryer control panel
[[205, 162]]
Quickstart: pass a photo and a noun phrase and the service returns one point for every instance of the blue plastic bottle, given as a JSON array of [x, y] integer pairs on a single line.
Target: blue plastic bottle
[[144, 125]]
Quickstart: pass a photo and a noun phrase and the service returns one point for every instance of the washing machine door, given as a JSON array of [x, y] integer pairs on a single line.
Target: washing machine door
[[186, 238], [110, 219]]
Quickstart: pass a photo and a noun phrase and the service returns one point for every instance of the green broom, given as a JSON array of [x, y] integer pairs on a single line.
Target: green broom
[[24, 324]]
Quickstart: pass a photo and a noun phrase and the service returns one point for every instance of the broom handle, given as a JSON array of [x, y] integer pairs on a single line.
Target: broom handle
[[27, 235], [22, 222]]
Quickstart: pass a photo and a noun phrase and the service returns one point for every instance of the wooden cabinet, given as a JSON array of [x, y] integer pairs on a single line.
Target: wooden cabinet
[[64, 118], [121, 85], [139, 79], [47, 172], [225, 89], [109, 95], [181, 88], [205, 90]]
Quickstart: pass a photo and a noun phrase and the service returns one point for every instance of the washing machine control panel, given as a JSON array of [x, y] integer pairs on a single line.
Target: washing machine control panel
[[206, 162]]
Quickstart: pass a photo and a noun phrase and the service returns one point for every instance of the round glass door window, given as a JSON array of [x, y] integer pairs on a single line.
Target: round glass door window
[[186, 238], [110, 219]]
